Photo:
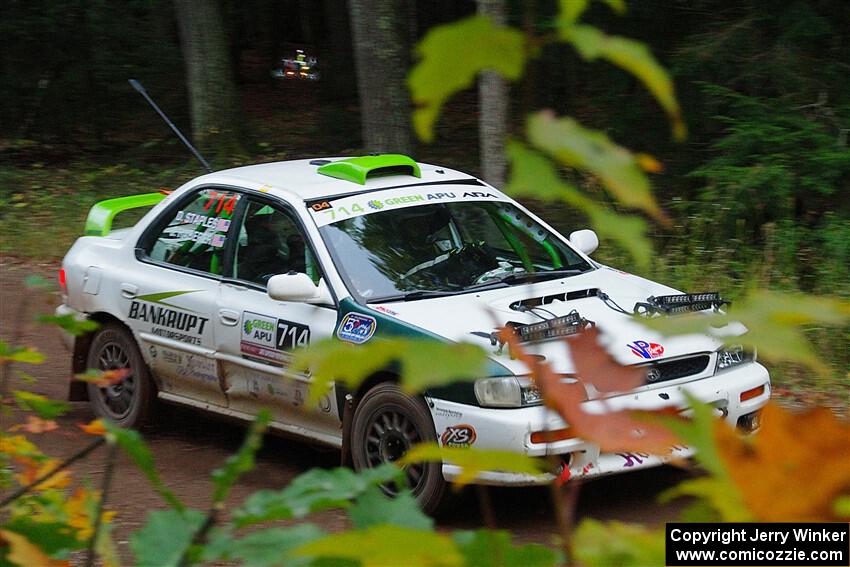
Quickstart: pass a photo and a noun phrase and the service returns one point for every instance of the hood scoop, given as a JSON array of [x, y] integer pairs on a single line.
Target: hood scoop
[[524, 304]]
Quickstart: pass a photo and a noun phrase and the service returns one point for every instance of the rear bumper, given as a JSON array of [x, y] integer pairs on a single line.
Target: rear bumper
[[510, 429]]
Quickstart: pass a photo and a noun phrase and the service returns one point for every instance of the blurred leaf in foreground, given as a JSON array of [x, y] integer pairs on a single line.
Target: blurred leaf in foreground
[[775, 323], [633, 57], [599, 544], [263, 548], [19, 354], [592, 151], [809, 451], [387, 545], [243, 460], [492, 547], [133, 444], [373, 508], [421, 363], [533, 175], [20, 551], [313, 491], [70, 324], [44, 407], [484, 45], [165, 537], [474, 461]]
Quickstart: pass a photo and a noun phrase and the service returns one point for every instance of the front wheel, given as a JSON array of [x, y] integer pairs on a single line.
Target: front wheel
[[387, 422], [129, 402]]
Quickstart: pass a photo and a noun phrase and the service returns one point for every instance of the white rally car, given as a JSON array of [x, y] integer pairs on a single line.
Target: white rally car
[[206, 298]]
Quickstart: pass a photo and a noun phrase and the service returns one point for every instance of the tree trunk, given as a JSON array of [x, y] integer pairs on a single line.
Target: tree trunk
[[213, 99], [379, 30], [493, 109]]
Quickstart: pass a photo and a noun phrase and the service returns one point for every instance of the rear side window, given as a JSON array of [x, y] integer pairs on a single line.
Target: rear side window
[[196, 234]]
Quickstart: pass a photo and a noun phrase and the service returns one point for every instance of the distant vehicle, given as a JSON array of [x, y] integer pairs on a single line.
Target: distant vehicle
[[207, 297], [302, 66]]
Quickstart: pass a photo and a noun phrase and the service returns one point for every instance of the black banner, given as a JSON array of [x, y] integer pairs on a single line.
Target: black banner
[[758, 544]]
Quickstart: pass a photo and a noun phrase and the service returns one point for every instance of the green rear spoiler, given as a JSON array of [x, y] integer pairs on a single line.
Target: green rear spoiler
[[99, 221]]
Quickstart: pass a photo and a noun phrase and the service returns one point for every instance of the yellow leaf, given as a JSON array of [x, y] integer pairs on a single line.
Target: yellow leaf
[[473, 461], [634, 57], [18, 445], [793, 468], [94, 427], [593, 152], [23, 552], [34, 470]]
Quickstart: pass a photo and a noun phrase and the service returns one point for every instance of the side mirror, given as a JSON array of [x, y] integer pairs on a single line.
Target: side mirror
[[298, 287], [585, 240]]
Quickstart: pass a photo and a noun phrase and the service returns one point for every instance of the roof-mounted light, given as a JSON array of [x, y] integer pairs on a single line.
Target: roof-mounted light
[[359, 169]]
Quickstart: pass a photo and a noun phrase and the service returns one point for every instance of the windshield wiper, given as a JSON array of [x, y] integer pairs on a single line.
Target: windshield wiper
[[416, 294], [525, 277]]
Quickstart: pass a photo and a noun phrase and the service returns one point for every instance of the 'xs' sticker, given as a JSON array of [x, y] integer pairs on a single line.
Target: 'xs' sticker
[[462, 435], [356, 328]]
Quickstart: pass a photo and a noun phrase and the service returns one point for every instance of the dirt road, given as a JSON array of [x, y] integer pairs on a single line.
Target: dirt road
[[188, 445]]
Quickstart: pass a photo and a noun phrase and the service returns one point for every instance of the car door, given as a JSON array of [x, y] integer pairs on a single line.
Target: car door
[[172, 298], [257, 335]]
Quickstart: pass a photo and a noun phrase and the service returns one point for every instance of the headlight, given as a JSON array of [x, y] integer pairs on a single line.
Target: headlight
[[731, 356], [507, 392]]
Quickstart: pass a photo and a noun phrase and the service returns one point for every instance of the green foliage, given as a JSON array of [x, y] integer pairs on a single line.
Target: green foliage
[[242, 461], [45, 408], [485, 46], [69, 323], [265, 548], [166, 536], [533, 175], [473, 461], [26, 355], [774, 320], [386, 545], [373, 508], [131, 442], [600, 544], [632, 56], [494, 547], [313, 491], [422, 364]]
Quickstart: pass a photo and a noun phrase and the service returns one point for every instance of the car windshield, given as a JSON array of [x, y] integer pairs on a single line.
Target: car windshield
[[446, 248]]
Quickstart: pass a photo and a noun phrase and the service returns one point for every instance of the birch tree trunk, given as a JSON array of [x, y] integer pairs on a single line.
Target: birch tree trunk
[[213, 99], [379, 30], [493, 109]]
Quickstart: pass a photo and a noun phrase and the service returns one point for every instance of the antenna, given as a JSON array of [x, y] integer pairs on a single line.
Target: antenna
[[141, 90]]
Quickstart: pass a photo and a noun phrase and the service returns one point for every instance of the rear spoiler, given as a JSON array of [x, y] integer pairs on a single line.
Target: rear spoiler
[[99, 221]]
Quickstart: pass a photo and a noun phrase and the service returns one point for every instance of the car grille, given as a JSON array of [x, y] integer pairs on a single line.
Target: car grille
[[673, 369]]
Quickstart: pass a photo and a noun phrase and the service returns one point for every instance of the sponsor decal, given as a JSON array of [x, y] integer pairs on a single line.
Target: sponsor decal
[[479, 195], [167, 320], [320, 206], [375, 204], [356, 328], [440, 196], [443, 412], [268, 338], [644, 349], [386, 310], [461, 435], [632, 458], [202, 221]]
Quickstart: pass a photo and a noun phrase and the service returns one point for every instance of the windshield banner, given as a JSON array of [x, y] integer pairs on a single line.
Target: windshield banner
[[326, 212]]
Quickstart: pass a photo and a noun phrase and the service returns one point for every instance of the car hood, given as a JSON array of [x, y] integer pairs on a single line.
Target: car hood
[[472, 317]]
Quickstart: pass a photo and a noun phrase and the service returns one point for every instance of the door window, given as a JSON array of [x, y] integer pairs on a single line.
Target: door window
[[195, 236], [271, 242]]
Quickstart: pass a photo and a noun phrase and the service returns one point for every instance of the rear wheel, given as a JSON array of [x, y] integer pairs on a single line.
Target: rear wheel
[[387, 422], [128, 403]]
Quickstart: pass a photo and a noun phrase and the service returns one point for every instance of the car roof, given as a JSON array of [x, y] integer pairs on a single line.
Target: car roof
[[301, 178]]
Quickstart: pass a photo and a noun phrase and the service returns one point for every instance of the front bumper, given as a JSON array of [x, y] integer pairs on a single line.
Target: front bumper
[[511, 429]]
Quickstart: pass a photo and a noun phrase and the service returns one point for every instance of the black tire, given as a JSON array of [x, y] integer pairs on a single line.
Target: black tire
[[129, 404], [386, 423]]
